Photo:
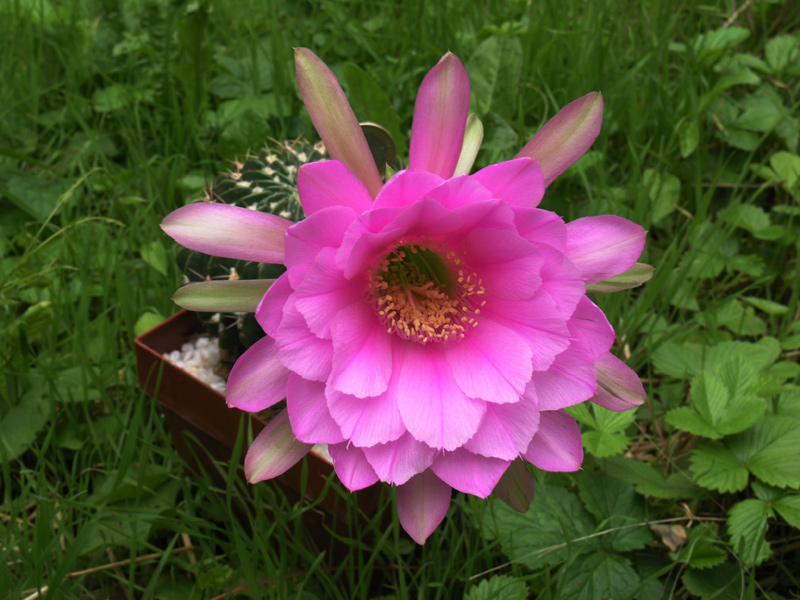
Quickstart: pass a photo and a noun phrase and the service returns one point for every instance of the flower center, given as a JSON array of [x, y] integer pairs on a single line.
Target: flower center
[[418, 296]]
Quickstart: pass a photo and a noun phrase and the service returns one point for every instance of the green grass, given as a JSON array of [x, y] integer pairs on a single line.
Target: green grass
[[115, 112]]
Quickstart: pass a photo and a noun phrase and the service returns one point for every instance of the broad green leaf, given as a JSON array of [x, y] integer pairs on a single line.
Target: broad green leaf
[[498, 588], [36, 196], [146, 321], [114, 97], [22, 422], [599, 576], [770, 450], [760, 119], [535, 538], [723, 401], [787, 168], [789, 404], [747, 526], [702, 550], [789, 508], [689, 137], [606, 437], [676, 360], [716, 468], [759, 355], [664, 191], [782, 51], [721, 583], [155, 255], [495, 69], [648, 480], [614, 504]]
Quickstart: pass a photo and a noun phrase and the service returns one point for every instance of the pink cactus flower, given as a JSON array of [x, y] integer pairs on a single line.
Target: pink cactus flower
[[432, 329]]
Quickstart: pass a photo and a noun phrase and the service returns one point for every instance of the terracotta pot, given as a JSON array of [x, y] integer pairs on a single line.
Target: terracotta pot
[[192, 406]]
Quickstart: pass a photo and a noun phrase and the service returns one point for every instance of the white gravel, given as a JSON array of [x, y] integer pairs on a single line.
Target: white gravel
[[199, 358]]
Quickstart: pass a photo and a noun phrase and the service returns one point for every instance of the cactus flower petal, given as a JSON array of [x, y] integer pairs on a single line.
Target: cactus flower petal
[[567, 136], [334, 118], [618, 386], [473, 137], [422, 503], [604, 246], [274, 451], [516, 487], [557, 444], [228, 231], [440, 118]]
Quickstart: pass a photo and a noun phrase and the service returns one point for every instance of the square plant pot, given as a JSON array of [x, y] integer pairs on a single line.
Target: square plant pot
[[193, 407]]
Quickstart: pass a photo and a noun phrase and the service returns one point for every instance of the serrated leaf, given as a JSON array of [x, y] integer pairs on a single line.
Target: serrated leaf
[[760, 119], [599, 576], [676, 360], [701, 550], [534, 538], [782, 51], [789, 404], [716, 468], [770, 449], [759, 355], [606, 439], [789, 508], [721, 583], [155, 255], [614, 504], [723, 401], [648, 481], [747, 526], [499, 588]]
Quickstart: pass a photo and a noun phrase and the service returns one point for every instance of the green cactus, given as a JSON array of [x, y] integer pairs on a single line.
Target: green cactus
[[268, 183]]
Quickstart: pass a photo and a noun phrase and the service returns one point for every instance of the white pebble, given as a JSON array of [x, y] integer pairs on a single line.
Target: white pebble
[[199, 358]]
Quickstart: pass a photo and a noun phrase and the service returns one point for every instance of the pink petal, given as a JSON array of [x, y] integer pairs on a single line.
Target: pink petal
[[305, 239], [398, 461], [373, 420], [506, 430], [459, 191], [538, 321], [538, 227], [571, 379], [473, 136], [562, 280], [422, 504], [334, 119], [604, 246], [362, 352], [591, 330], [516, 487], [258, 379], [567, 136], [557, 444], [270, 310], [469, 473], [618, 386], [406, 187], [308, 412], [492, 363], [360, 249], [434, 408], [324, 292], [440, 118], [331, 183], [274, 451], [228, 231], [300, 350], [352, 467], [508, 265], [518, 182]]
